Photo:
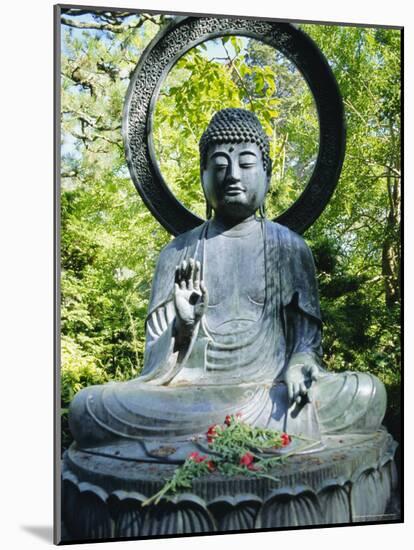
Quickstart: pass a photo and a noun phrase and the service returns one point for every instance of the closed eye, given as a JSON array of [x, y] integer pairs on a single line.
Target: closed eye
[[247, 159]]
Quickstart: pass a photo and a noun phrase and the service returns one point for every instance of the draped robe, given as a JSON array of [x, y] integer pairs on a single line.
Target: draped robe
[[184, 389]]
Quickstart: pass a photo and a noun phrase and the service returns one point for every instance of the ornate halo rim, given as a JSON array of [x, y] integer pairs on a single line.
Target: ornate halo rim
[[166, 49]]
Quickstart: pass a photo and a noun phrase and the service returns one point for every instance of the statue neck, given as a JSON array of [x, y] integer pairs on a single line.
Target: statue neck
[[222, 225]]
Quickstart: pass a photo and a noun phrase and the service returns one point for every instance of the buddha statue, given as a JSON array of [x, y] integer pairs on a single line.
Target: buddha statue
[[233, 322]]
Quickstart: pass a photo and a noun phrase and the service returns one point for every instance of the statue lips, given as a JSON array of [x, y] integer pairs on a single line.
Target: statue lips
[[234, 190]]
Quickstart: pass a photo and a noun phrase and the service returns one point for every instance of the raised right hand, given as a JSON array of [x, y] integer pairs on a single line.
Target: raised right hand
[[190, 294]]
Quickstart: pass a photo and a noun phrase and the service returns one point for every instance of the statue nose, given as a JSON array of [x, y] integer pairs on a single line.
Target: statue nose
[[233, 174]]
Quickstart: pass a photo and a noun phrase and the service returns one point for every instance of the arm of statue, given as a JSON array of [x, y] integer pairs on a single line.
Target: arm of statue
[[304, 365], [171, 325], [190, 300]]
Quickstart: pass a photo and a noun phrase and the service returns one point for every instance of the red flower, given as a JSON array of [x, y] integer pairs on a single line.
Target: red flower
[[196, 457], [247, 460], [286, 439], [211, 433], [231, 417], [211, 466]]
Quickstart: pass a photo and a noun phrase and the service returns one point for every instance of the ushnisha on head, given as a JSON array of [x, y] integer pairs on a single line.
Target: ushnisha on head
[[235, 126], [235, 164]]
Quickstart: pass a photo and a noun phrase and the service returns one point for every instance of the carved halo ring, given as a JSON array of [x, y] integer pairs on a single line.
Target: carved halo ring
[[159, 57]]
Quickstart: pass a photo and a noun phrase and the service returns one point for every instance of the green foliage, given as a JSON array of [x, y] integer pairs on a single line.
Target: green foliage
[[110, 242], [356, 241], [79, 370], [239, 73]]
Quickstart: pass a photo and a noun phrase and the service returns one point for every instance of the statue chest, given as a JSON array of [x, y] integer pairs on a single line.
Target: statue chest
[[234, 273]]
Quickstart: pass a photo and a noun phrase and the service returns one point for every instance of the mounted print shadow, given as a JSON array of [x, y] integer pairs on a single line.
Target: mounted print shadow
[[196, 395]]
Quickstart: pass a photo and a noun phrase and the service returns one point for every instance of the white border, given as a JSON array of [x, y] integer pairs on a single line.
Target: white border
[[26, 214]]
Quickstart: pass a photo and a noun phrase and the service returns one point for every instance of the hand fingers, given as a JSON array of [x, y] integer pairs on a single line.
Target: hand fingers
[[314, 372], [187, 275], [204, 293], [183, 274], [204, 290], [197, 269], [189, 270], [190, 273], [183, 269], [297, 392], [293, 392], [296, 396], [305, 392]]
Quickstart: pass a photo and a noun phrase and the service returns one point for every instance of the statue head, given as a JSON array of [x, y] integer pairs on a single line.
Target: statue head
[[235, 163]]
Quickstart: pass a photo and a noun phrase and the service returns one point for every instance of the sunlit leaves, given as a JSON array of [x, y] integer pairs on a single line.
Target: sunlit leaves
[[235, 72]]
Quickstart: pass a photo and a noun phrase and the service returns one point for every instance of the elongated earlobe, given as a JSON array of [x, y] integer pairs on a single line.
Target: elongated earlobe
[[269, 169], [209, 211], [262, 210]]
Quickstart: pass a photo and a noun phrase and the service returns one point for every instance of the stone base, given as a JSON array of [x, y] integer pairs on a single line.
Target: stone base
[[350, 481]]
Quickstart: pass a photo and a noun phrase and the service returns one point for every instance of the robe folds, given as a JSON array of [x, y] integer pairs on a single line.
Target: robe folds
[[290, 321], [235, 371]]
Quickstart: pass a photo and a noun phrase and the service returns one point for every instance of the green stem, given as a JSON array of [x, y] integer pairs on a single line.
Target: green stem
[[230, 445], [158, 496]]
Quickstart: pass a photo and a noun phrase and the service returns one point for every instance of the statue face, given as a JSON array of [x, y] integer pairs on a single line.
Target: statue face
[[234, 179]]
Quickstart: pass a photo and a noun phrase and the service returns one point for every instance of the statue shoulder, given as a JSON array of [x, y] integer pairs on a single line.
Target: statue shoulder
[[287, 239], [177, 247], [297, 269]]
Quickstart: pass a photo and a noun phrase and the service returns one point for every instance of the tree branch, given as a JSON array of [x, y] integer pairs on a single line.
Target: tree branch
[[91, 122], [80, 81], [239, 76], [73, 12], [71, 174], [110, 27]]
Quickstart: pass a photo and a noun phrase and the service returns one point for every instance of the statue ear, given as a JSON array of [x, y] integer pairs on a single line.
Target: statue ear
[[269, 172], [209, 211]]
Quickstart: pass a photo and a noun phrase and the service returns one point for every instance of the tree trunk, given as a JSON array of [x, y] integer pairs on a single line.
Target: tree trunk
[[391, 253]]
